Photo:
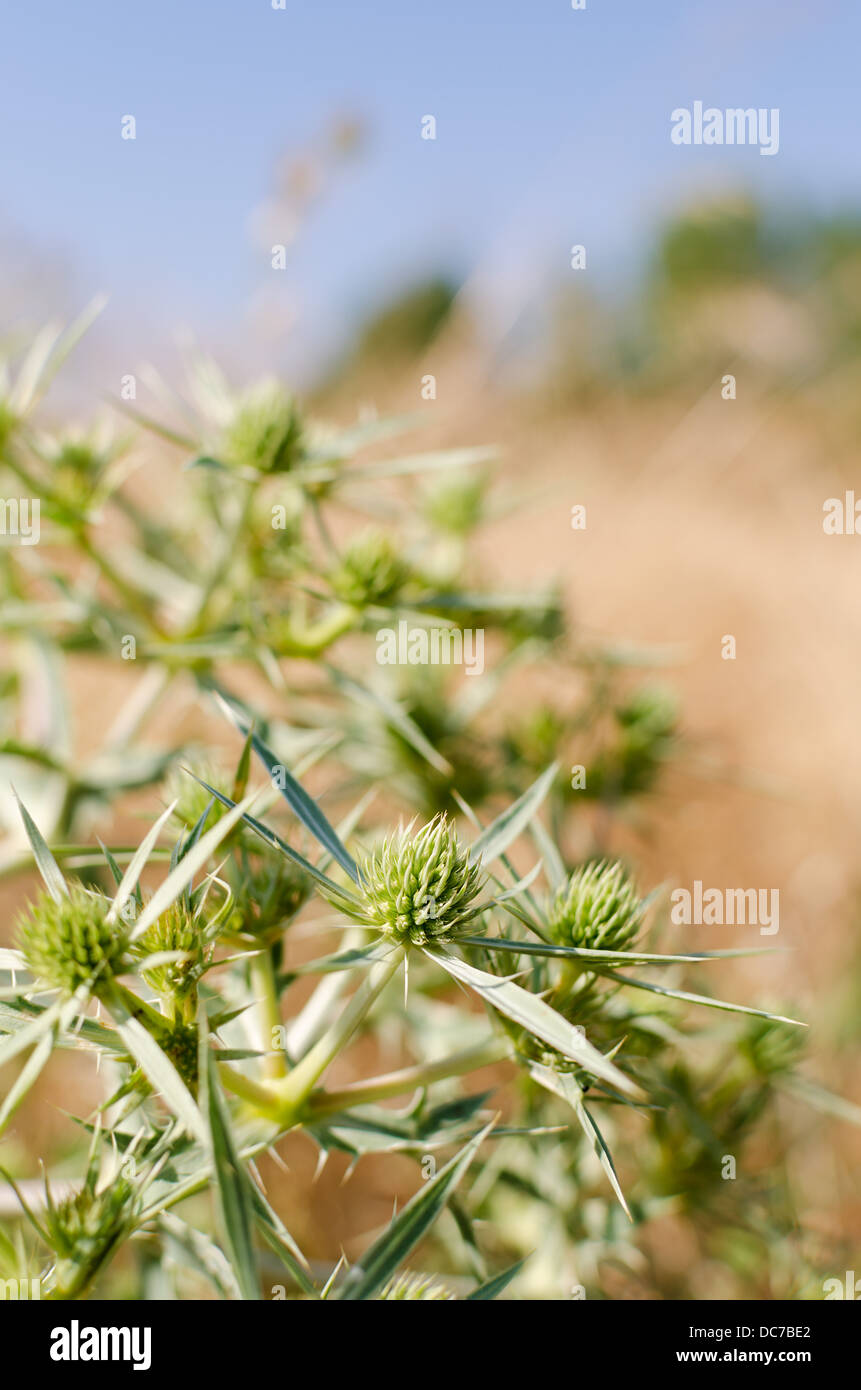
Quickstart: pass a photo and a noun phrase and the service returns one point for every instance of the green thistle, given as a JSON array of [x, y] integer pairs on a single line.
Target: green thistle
[[454, 503], [265, 899], [370, 571], [266, 431], [85, 1230], [70, 943], [419, 888], [175, 930], [191, 798], [597, 909]]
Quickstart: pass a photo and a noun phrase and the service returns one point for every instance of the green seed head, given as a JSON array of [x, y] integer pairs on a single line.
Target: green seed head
[[85, 1229], [370, 571], [70, 943], [266, 432], [416, 1286], [420, 888], [598, 909]]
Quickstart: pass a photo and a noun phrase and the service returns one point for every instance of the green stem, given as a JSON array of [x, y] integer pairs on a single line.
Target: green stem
[[295, 1089], [222, 565], [301, 639], [408, 1079], [262, 1097], [268, 1013]]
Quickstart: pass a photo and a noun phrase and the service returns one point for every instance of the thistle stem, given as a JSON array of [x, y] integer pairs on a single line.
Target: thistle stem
[[263, 1097], [408, 1079], [295, 1089], [268, 1013]]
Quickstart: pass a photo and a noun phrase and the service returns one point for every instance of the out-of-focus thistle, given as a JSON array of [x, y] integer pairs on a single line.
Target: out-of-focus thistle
[[265, 899], [646, 729], [419, 888], [597, 909], [455, 504], [69, 943], [85, 1229], [371, 570], [416, 1287], [265, 433]]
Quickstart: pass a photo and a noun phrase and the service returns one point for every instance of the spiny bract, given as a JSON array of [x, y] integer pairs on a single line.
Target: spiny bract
[[597, 909], [419, 888], [70, 943]]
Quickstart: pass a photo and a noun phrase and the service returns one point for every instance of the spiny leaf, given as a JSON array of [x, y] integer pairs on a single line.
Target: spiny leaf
[[494, 1286], [382, 1260], [231, 1181], [45, 861], [302, 805], [495, 839], [535, 1016]]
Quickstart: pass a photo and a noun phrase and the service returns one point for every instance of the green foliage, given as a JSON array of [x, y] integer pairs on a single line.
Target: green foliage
[[197, 944]]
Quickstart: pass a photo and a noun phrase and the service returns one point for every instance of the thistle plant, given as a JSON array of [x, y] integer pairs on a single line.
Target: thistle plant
[[212, 1067], [380, 858]]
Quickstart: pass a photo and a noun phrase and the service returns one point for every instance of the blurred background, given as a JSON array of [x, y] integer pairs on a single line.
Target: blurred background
[[407, 258]]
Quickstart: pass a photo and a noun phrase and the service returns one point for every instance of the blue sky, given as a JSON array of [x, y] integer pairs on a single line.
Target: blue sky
[[552, 128]]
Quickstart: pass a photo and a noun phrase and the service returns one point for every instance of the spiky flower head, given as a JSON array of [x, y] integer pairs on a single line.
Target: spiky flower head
[[175, 930], [266, 431], [370, 570], [191, 798], [411, 1287], [266, 898], [85, 1229], [598, 908], [420, 887], [771, 1046], [71, 943]]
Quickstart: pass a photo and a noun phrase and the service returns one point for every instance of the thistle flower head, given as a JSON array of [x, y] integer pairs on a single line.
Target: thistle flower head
[[266, 898], [370, 570], [597, 909], [772, 1047], [420, 887], [175, 930], [71, 943], [85, 1229], [266, 431], [191, 798], [410, 1287]]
